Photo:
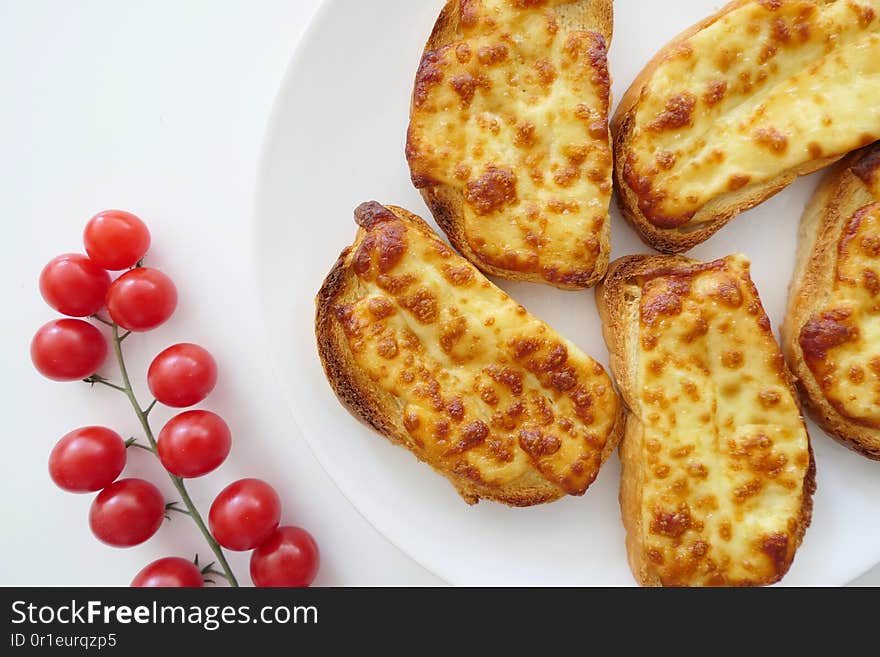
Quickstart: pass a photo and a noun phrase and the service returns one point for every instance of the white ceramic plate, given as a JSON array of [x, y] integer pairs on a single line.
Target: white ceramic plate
[[337, 138]]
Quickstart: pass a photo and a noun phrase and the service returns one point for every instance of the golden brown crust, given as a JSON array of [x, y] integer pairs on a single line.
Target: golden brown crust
[[448, 204], [619, 311], [713, 215], [382, 411], [843, 191]]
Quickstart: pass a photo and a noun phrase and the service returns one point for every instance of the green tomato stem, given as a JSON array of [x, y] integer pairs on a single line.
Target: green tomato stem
[[177, 481]]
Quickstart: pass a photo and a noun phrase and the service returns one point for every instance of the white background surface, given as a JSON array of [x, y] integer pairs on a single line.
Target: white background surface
[[159, 108]]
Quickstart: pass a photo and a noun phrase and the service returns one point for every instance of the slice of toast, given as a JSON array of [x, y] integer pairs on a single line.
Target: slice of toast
[[831, 333], [718, 473], [738, 106], [423, 348], [508, 138]]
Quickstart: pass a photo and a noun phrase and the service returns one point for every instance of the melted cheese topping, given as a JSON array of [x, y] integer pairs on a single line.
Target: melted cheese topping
[[841, 341], [763, 89], [514, 115], [487, 391], [724, 448]]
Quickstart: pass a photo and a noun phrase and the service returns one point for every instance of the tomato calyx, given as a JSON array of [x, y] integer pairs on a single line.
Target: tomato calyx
[[208, 571], [174, 506], [134, 442]]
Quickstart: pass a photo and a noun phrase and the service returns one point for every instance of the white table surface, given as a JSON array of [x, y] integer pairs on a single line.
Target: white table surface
[[157, 107]]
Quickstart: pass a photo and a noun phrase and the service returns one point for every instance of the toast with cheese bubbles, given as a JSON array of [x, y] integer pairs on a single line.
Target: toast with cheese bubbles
[[738, 106], [718, 473], [508, 138], [420, 346]]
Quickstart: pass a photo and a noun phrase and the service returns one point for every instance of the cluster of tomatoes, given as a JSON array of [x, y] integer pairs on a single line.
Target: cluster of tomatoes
[[126, 512]]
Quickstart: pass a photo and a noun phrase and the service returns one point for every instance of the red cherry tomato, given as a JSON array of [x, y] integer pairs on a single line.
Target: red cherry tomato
[[170, 572], [182, 375], [74, 285], [116, 239], [68, 349], [289, 557], [141, 299], [194, 443], [87, 459], [127, 512], [244, 514]]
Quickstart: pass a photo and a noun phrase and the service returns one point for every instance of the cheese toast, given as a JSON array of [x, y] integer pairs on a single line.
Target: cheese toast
[[508, 138], [738, 106], [831, 332], [419, 345], [718, 473]]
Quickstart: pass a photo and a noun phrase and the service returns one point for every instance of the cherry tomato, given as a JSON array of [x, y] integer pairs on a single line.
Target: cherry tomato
[[74, 285], [170, 572], [68, 349], [182, 375], [116, 239], [127, 512], [194, 443], [244, 514], [289, 557], [87, 459], [141, 299]]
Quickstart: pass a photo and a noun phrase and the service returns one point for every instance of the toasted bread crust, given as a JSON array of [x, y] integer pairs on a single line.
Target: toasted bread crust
[[620, 326], [380, 410], [715, 214], [447, 203], [838, 197]]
